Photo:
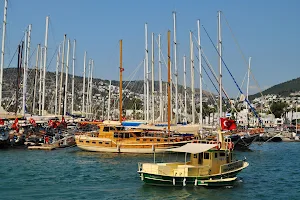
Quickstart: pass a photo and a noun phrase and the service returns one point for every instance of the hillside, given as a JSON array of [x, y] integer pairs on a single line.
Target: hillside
[[283, 89]]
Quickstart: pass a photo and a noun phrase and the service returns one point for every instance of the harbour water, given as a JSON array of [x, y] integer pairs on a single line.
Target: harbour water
[[274, 173]]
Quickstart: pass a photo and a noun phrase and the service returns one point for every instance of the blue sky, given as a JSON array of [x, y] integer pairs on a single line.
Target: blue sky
[[268, 31]]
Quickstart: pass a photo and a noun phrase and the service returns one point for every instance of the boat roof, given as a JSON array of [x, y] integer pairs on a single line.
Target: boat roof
[[193, 148]]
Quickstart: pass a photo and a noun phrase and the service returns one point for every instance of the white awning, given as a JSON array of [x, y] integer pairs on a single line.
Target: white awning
[[193, 148]]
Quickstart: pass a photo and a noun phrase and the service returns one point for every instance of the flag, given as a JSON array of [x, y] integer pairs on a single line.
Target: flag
[[32, 121], [227, 124], [121, 69], [1, 122], [15, 125]]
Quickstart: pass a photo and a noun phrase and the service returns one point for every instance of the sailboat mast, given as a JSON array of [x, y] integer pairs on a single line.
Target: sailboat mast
[[88, 88], [108, 103], [56, 78], [73, 75], [247, 95], [184, 82], [3, 49], [176, 69], [145, 91], [192, 78], [160, 81], [36, 76], [91, 85], [83, 88], [20, 52], [147, 70], [66, 79], [45, 63], [152, 75], [200, 73], [61, 74], [40, 80], [169, 82], [24, 73], [121, 82], [220, 63]]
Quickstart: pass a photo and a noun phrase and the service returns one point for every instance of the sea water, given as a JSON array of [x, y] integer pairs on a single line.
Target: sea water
[[273, 173]]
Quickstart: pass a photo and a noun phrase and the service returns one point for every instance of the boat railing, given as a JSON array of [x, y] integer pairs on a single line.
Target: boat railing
[[231, 166]]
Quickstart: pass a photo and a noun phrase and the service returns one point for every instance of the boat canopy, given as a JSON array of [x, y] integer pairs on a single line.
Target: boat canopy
[[193, 148]]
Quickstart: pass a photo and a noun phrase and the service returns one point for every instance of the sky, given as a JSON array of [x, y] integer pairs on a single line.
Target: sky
[[267, 31]]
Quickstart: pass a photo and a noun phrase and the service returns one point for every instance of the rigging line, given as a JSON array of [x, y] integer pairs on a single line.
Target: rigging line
[[133, 74], [16, 50], [253, 110], [245, 60]]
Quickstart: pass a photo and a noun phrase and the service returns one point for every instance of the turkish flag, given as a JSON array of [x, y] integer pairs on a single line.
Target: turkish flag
[[1, 121], [228, 124]]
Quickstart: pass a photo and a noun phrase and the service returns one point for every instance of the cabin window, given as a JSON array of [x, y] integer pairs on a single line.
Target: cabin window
[[94, 142], [165, 140], [87, 141], [144, 140], [206, 156], [195, 155], [151, 140], [80, 141], [106, 129], [106, 142], [126, 135], [158, 140], [222, 154], [216, 155], [100, 142], [112, 128], [137, 139], [116, 135]]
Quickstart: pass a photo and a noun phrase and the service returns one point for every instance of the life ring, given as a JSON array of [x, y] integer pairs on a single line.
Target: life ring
[[230, 145], [219, 145]]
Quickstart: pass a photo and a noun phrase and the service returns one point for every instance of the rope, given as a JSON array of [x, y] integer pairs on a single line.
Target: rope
[[253, 110]]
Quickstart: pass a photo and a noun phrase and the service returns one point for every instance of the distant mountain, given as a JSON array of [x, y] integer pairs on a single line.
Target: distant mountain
[[283, 89]]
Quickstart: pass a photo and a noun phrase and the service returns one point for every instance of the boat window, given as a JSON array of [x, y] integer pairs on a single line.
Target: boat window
[[105, 129], [222, 154], [80, 141], [87, 141], [144, 140], [165, 140], [120, 128], [112, 128], [158, 140], [94, 142], [100, 142], [116, 134], [106, 142], [216, 155], [137, 139], [200, 158], [126, 135], [151, 140], [206, 155], [195, 155]]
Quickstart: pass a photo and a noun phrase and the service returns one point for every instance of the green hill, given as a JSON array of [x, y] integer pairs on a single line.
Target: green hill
[[283, 89]]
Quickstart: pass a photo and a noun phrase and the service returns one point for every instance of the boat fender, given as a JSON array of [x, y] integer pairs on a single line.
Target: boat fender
[[196, 182], [184, 182], [219, 146], [118, 148], [173, 181], [153, 148]]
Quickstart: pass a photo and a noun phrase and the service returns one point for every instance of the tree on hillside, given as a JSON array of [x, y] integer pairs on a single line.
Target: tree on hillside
[[278, 108]]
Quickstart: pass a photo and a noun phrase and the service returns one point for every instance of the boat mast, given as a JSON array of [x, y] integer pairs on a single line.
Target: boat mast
[[56, 78], [248, 89], [40, 80], [83, 88], [61, 74], [20, 52], [73, 76], [200, 72], [121, 71], [184, 82], [88, 88], [192, 78], [169, 82], [66, 79], [45, 63], [152, 74], [145, 91], [109, 93], [160, 81], [220, 64], [147, 70], [36, 76], [176, 69], [91, 86], [3, 50], [24, 73]]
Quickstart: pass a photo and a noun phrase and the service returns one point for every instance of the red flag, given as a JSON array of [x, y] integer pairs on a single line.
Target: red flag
[[32, 121], [15, 125], [1, 122], [228, 124]]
